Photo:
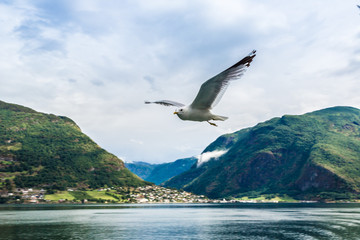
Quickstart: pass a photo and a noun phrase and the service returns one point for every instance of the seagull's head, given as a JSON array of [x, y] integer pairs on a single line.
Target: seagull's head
[[181, 112]]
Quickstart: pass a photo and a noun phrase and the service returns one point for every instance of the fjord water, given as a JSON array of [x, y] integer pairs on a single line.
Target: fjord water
[[181, 221]]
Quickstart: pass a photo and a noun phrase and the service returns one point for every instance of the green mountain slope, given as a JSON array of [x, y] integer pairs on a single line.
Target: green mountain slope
[[44, 150], [159, 173], [306, 156]]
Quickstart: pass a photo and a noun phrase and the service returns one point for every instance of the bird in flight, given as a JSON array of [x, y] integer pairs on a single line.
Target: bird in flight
[[209, 94]]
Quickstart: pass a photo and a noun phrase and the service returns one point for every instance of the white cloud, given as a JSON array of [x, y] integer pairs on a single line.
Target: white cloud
[[96, 62], [207, 156], [139, 142], [235, 14]]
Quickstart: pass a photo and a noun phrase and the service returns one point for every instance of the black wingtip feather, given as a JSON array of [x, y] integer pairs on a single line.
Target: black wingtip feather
[[246, 60]]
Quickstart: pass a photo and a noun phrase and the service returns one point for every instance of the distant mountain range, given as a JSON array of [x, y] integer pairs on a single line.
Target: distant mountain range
[[159, 173], [44, 150], [311, 156]]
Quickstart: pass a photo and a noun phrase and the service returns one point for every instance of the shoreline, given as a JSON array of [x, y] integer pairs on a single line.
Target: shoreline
[[212, 202], [151, 194]]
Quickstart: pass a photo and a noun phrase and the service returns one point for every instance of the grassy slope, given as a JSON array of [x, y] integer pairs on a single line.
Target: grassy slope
[[339, 149], [77, 195], [62, 195], [39, 149]]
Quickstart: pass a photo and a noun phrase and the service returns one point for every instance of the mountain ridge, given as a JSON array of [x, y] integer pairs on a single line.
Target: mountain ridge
[[302, 155]]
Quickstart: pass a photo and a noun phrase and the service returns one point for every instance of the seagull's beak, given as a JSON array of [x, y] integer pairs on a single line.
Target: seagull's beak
[[176, 112]]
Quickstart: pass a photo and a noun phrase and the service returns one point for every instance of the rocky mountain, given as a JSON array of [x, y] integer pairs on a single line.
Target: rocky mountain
[[159, 173], [310, 156], [44, 150]]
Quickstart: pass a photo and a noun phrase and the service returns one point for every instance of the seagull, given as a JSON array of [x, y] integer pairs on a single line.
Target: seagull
[[209, 94]]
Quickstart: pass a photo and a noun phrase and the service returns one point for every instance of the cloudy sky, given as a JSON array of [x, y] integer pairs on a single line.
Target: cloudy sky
[[97, 61]]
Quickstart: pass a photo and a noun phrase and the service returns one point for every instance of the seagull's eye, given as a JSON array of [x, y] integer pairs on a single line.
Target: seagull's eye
[[180, 110]]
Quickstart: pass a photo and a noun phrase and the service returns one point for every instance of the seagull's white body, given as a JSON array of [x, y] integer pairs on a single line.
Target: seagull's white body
[[210, 94], [194, 114]]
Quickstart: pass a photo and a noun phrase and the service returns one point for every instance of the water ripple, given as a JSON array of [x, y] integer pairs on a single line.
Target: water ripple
[[183, 222]]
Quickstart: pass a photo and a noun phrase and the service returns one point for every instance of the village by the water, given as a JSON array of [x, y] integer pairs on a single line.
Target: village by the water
[[146, 194]]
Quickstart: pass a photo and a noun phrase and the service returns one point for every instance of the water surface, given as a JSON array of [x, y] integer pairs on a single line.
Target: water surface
[[181, 221]]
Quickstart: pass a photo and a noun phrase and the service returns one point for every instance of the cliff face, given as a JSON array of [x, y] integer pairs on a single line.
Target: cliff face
[[44, 150], [298, 155]]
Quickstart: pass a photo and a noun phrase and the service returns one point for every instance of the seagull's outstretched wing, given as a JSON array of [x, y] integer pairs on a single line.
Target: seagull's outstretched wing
[[166, 103], [212, 90]]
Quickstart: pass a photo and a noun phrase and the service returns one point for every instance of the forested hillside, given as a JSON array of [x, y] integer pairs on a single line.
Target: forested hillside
[[311, 156], [44, 150]]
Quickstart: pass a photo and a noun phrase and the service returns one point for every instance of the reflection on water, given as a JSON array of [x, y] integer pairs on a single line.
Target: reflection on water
[[183, 221]]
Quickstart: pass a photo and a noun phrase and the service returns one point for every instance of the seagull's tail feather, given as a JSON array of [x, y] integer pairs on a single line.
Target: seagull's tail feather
[[221, 118]]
